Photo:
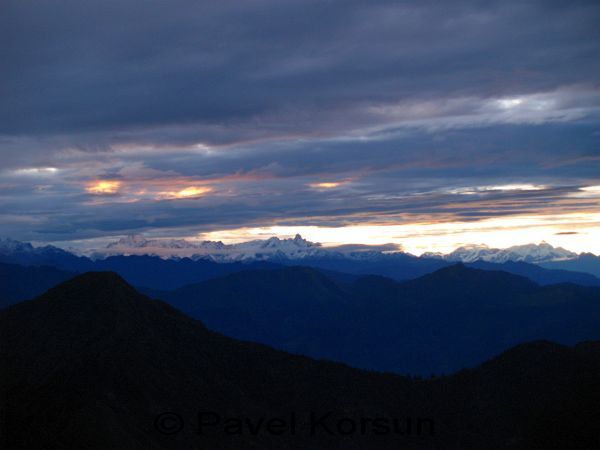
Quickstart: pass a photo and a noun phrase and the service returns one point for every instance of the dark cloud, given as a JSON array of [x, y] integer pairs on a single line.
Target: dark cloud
[[82, 66]]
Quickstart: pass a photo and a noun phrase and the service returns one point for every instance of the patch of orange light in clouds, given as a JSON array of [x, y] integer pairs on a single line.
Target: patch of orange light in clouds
[[325, 185], [583, 233], [188, 192], [103, 187]]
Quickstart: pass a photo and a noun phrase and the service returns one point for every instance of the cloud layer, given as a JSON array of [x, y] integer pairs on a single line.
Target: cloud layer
[[185, 117]]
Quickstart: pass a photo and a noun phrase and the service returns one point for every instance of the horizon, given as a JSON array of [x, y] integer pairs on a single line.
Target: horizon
[[95, 246]]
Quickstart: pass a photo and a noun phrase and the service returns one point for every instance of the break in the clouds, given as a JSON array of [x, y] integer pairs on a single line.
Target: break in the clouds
[[186, 118]]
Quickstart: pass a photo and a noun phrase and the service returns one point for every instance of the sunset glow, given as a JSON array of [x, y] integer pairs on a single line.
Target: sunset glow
[[325, 185], [418, 238], [188, 192], [103, 187]]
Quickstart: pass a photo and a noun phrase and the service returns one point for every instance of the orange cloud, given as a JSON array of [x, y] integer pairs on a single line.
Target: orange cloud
[[103, 187], [325, 185], [188, 192]]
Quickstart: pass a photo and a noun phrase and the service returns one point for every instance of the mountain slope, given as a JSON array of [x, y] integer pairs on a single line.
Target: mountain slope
[[270, 306], [455, 317], [91, 363]]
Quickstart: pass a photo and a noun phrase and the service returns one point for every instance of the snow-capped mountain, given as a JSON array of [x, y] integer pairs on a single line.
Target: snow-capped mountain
[[530, 253], [284, 249], [135, 244], [134, 241], [268, 249], [298, 248], [16, 252], [11, 247], [8, 246]]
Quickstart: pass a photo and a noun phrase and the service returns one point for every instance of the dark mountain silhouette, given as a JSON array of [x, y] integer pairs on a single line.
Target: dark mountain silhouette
[[455, 317], [270, 307], [19, 283], [91, 363]]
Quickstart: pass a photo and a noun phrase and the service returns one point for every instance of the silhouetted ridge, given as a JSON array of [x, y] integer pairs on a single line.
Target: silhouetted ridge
[[102, 288], [103, 281], [297, 286], [91, 364], [95, 307], [522, 355], [465, 274], [590, 349], [453, 318], [469, 287]]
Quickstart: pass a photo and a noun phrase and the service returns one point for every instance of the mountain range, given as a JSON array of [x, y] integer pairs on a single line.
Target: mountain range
[[94, 364], [268, 249], [297, 249], [530, 253], [156, 272], [439, 323]]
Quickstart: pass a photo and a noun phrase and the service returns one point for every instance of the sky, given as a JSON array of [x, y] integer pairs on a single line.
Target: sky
[[425, 124]]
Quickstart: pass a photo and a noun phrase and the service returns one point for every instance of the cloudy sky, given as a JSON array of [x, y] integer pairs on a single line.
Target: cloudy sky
[[427, 124]]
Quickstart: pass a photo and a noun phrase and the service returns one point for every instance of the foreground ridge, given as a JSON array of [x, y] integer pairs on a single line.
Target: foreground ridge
[[93, 363]]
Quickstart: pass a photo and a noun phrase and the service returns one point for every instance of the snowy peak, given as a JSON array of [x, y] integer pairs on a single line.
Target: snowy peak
[[530, 253], [543, 252], [135, 244], [270, 249], [137, 241], [9, 246], [133, 241], [267, 249], [296, 248], [298, 242]]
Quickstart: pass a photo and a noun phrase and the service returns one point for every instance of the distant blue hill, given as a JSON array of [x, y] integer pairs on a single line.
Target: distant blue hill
[[452, 318], [539, 274], [402, 267], [586, 262]]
